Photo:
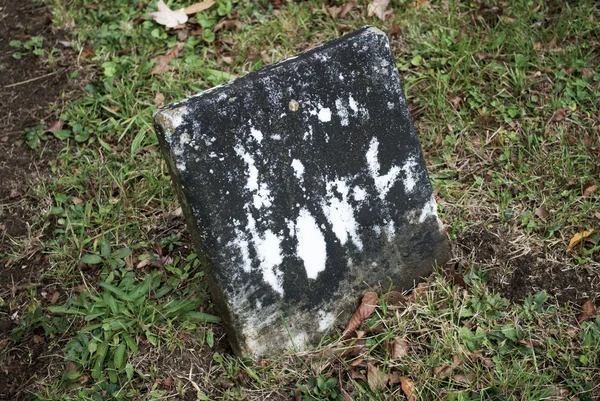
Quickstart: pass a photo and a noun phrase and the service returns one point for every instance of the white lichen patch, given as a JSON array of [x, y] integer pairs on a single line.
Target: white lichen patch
[[429, 210], [256, 134], [252, 182], [298, 169], [324, 114], [383, 183], [262, 197], [390, 229], [340, 214], [311, 246], [352, 103], [268, 250], [359, 194], [241, 243], [342, 112], [409, 169], [326, 320]]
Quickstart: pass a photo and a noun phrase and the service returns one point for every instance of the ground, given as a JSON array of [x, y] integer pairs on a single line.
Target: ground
[[503, 227]]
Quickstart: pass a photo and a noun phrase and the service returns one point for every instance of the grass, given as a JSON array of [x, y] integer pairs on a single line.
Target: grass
[[133, 320]]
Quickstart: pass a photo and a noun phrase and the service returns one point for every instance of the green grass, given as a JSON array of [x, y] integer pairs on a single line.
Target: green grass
[[483, 94]]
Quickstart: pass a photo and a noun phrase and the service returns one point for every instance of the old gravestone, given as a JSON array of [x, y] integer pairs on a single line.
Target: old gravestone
[[303, 185]]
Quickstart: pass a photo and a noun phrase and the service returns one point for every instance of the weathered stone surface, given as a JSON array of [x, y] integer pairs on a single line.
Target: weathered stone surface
[[303, 185]]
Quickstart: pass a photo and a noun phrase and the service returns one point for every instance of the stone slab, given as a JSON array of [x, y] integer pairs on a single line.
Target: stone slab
[[304, 185]]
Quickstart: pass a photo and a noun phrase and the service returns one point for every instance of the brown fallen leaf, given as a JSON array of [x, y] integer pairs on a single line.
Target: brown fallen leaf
[[168, 382], [558, 115], [38, 339], [399, 348], [4, 138], [442, 371], [408, 387], [542, 212], [54, 297], [379, 9], [228, 25], [366, 308], [167, 17], [588, 311], [346, 8], [55, 126], [76, 200], [162, 62], [577, 238], [395, 298], [375, 377], [198, 7], [589, 190], [421, 3], [333, 11], [417, 292], [587, 73], [159, 99], [87, 53], [391, 379]]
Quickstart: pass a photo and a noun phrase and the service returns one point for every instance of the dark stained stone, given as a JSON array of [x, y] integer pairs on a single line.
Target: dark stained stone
[[304, 185]]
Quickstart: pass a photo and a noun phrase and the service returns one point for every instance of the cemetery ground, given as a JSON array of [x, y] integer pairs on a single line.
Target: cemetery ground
[[102, 297]]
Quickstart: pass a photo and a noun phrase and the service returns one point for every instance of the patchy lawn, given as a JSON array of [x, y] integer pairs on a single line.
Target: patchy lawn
[[102, 296]]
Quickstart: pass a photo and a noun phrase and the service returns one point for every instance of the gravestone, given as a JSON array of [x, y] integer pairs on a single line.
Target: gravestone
[[303, 185]]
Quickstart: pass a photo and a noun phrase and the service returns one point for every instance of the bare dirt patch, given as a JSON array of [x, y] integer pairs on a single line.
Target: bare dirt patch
[[516, 271]]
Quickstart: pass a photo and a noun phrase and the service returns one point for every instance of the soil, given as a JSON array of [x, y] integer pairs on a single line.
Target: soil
[[29, 87], [515, 272]]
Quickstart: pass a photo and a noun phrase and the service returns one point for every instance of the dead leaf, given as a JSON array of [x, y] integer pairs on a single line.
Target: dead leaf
[[587, 73], [457, 278], [417, 292], [379, 9], [38, 339], [589, 190], [159, 99], [577, 238], [346, 8], [366, 308], [408, 387], [198, 7], [227, 59], [167, 17], [356, 375], [333, 11], [168, 382], [56, 126], [87, 53], [464, 379], [162, 62], [456, 101], [421, 3], [4, 138], [395, 298], [442, 371], [228, 25], [54, 297], [558, 115], [588, 311], [553, 43], [76, 200], [391, 379], [375, 378], [542, 212], [14, 193], [399, 348]]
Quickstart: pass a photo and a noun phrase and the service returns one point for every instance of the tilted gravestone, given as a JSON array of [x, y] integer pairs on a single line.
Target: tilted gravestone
[[304, 185]]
